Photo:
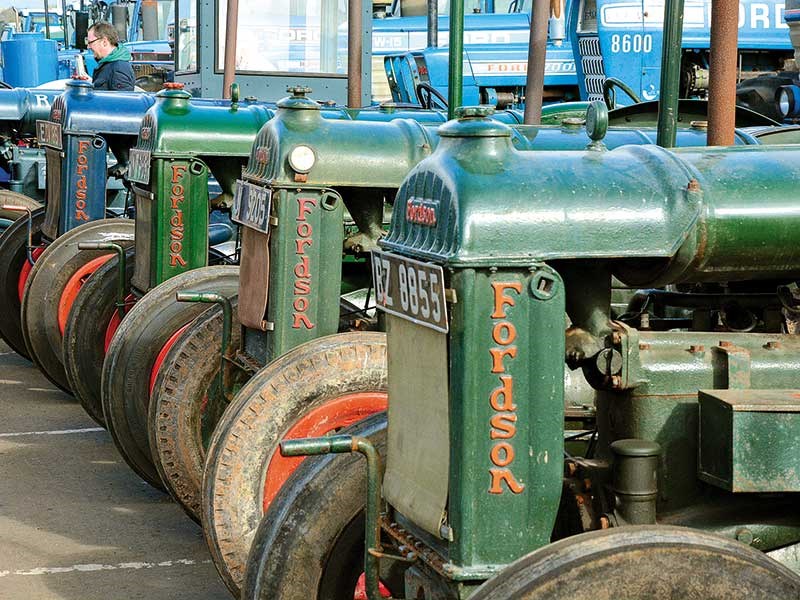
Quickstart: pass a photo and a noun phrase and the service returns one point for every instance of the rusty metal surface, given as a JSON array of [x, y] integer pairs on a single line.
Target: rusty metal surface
[[722, 82], [536, 62], [231, 30], [355, 44], [254, 279]]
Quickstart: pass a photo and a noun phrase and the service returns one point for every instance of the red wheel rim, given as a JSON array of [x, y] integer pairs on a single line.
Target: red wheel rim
[[331, 416], [162, 355], [361, 589], [115, 321], [74, 286], [25, 272]]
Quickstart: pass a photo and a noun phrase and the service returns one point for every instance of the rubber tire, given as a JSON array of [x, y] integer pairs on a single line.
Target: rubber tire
[[45, 286], [13, 254], [640, 563], [133, 352], [83, 346], [7, 197], [188, 372], [310, 544], [262, 412]]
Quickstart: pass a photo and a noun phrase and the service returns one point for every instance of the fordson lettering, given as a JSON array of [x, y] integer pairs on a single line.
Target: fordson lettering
[[80, 184], [176, 220], [504, 418], [417, 212], [302, 270]]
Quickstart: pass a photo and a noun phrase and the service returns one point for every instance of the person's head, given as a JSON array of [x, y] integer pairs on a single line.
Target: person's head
[[101, 39]]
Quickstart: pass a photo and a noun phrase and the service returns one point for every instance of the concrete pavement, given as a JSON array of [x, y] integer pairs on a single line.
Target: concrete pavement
[[75, 522]]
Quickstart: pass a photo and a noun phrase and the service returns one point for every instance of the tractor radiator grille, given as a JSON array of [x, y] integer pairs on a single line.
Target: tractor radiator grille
[[592, 64], [52, 193]]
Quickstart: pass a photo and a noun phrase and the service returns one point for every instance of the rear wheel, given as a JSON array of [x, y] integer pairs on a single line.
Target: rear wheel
[[14, 269], [186, 405], [310, 543], [9, 198], [641, 563], [313, 390], [129, 364], [84, 343], [54, 282]]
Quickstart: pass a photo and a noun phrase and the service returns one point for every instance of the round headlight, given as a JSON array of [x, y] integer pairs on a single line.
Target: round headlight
[[784, 102], [302, 159]]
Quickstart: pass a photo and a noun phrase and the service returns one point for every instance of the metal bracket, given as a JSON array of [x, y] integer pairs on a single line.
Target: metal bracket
[[227, 326], [338, 444], [14, 207]]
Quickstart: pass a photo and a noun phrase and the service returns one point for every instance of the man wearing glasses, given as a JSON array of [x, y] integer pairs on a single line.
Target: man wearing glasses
[[114, 71]]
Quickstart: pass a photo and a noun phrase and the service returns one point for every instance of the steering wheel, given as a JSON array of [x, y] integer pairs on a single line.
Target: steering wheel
[[429, 95], [610, 99]]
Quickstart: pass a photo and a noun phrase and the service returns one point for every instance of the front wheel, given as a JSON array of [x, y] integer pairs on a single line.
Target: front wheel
[[310, 544], [642, 563], [315, 389], [14, 271]]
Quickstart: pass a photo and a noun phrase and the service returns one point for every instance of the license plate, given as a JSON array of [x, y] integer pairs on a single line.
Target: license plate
[[139, 166], [49, 134], [251, 206], [410, 289]]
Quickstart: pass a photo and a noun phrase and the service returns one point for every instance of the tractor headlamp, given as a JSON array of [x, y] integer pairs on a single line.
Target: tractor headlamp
[[302, 159]]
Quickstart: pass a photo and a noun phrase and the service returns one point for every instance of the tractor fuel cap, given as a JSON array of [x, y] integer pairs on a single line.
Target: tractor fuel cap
[[597, 120]]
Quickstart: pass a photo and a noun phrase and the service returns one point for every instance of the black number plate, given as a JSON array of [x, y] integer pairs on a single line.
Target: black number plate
[[410, 289], [49, 134], [139, 166], [251, 206]]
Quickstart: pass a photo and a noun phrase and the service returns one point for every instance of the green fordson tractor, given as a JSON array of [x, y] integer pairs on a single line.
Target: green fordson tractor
[[179, 222], [494, 280], [311, 204]]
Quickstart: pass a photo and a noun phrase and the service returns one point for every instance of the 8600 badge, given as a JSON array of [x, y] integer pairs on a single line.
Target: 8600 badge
[[410, 289]]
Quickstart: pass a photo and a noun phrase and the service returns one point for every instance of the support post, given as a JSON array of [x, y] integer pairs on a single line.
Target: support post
[[355, 51], [231, 31], [670, 74], [722, 72], [455, 77], [537, 52], [433, 23]]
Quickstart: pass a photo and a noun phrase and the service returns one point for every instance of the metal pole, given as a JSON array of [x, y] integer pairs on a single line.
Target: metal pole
[[433, 23], [231, 30], [46, 20], [355, 50], [64, 24], [722, 72], [455, 76], [670, 73], [537, 51]]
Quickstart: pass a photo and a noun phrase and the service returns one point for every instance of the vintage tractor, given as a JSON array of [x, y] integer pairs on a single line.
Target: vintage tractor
[[76, 141], [694, 427], [280, 311], [21, 159], [182, 144], [177, 170]]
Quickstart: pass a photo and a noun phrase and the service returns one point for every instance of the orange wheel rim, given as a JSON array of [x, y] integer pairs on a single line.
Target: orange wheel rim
[[335, 414], [163, 354], [115, 321], [25, 272], [74, 286]]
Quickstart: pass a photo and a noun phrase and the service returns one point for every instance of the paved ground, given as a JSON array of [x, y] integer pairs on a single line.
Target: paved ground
[[75, 522]]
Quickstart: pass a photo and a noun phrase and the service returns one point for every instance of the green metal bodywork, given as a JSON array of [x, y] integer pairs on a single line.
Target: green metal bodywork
[[362, 156], [647, 216], [187, 141]]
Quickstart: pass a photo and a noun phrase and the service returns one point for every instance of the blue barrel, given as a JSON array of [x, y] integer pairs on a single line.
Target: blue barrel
[[29, 60]]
